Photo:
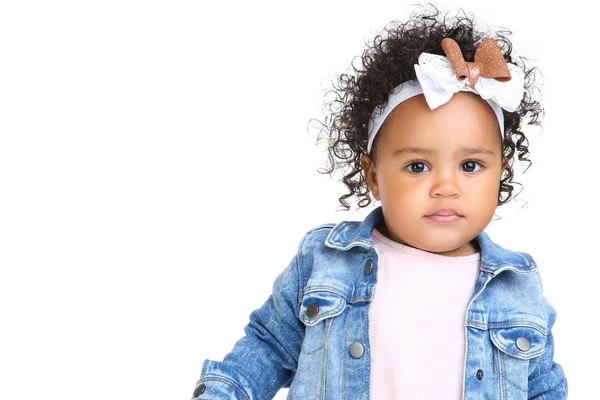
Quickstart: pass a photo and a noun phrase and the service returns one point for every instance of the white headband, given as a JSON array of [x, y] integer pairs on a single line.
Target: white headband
[[437, 81]]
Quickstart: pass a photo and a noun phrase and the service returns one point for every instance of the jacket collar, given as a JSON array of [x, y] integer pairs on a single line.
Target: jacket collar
[[348, 234]]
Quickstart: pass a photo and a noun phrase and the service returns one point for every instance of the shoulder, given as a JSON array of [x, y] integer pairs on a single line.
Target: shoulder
[[518, 286], [320, 231], [313, 240]]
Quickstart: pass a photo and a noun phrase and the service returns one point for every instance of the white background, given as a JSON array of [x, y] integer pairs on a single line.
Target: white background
[[158, 170]]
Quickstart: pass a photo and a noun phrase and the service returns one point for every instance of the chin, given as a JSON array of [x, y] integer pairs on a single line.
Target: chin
[[441, 243]]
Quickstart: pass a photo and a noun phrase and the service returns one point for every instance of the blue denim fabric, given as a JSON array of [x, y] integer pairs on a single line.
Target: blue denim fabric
[[284, 348]]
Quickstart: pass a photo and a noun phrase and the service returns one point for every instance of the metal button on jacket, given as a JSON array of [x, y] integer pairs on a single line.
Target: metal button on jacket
[[199, 390], [523, 344], [368, 267], [312, 310], [479, 375], [356, 350]]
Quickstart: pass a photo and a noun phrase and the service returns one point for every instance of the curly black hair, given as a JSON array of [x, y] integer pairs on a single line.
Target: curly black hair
[[387, 62]]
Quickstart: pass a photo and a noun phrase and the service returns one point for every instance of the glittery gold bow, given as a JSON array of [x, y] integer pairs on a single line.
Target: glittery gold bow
[[488, 63]]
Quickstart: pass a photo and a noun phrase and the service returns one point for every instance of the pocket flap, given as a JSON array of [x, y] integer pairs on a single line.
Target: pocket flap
[[522, 342], [319, 305]]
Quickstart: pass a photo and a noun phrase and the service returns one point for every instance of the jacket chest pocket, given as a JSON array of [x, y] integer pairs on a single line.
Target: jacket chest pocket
[[317, 312], [517, 350]]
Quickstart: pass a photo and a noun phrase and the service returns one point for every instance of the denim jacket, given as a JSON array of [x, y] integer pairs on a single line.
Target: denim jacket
[[311, 334]]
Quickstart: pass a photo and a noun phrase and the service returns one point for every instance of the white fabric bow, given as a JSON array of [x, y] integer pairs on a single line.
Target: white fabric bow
[[439, 83]]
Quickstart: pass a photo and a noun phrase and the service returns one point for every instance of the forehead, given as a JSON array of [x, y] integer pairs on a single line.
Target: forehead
[[466, 120]]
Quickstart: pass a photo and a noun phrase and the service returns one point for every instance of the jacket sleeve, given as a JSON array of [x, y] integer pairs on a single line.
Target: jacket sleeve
[[266, 358], [547, 381]]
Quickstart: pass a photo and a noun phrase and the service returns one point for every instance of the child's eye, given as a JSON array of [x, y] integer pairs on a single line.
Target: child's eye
[[419, 165], [471, 164]]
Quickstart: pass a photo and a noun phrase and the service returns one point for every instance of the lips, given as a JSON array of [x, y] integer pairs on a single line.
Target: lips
[[444, 215], [444, 212]]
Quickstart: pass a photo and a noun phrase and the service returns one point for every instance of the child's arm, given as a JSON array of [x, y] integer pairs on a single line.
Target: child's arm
[[264, 360], [548, 381]]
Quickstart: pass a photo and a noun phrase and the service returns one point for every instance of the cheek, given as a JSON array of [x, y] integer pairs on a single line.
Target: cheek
[[482, 198], [482, 188], [399, 189], [492, 189], [405, 199]]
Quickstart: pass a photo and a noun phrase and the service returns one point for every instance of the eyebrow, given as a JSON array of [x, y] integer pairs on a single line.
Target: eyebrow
[[421, 150]]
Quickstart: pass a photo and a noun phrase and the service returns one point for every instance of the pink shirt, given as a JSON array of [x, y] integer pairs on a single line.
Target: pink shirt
[[416, 322]]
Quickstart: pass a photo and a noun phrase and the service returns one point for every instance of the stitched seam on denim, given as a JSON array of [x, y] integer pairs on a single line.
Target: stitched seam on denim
[[228, 382], [495, 368], [503, 374], [494, 265], [527, 271], [516, 266], [476, 324], [355, 242], [345, 363], [325, 289], [360, 298], [299, 264], [324, 373], [464, 378], [511, 324], [518, 322], [520, 272], [300, 282], [486, 264], [503, 389], [331, 289]]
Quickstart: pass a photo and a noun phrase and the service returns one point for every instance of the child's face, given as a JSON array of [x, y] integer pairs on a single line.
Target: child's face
[[412, 185]]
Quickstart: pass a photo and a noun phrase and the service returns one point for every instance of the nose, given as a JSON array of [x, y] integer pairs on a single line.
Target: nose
[[445, 184]]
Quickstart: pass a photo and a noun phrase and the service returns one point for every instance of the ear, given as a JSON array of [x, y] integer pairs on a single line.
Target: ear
[[504, 164], [370, 174]]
